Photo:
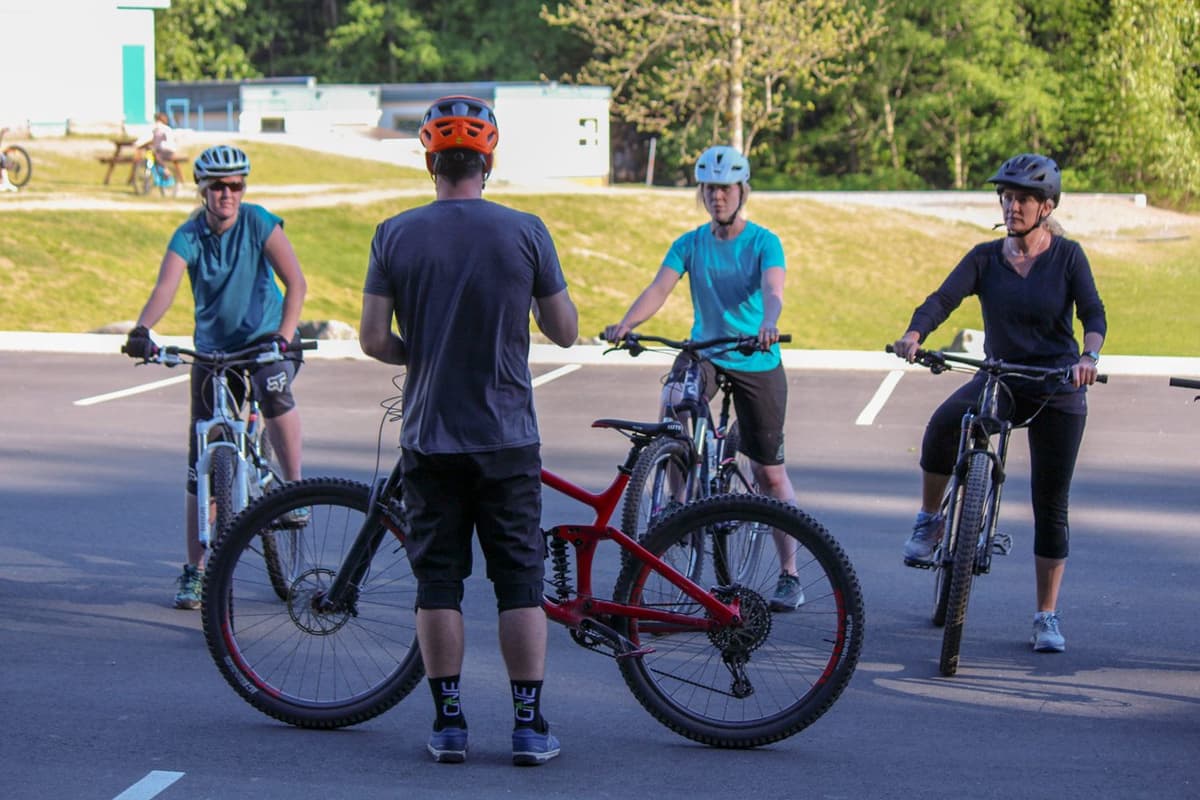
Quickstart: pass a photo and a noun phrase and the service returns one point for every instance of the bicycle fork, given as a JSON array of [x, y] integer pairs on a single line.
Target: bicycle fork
[[385, 514]]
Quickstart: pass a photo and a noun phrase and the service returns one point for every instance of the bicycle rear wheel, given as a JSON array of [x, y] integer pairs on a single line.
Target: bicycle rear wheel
[[280, 544], [735, 557], [964, 540], [292, 659], [19, 165], [770, 676]]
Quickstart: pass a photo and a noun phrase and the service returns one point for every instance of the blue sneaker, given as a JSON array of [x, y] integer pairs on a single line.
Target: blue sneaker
[[1047, 638], [926, 535], [531, 748], [448, 746], [191, 585]]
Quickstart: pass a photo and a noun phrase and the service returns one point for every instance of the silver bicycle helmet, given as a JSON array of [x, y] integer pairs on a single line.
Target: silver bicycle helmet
[[220, 161], [1031, 171], [722, 164]]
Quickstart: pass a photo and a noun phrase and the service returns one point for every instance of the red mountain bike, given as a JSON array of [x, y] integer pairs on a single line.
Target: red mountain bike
[[711, 662]]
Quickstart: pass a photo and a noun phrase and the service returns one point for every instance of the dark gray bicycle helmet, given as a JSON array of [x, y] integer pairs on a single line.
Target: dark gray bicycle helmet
[[220, 161], [1037, 173]]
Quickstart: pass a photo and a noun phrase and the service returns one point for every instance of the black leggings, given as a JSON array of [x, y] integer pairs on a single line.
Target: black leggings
[[1054, 437]]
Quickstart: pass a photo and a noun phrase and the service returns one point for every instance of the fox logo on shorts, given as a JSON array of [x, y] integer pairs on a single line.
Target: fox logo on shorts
[[277, 383]]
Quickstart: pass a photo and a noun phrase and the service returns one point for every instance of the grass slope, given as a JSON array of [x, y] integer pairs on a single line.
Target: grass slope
[[853, 278]]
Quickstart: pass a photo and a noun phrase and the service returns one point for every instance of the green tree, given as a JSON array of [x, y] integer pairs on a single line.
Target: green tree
[[198, 39], [699, 71], [1143, 106]]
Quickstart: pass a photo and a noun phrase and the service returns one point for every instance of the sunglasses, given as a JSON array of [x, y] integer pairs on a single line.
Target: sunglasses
[[237, 187]]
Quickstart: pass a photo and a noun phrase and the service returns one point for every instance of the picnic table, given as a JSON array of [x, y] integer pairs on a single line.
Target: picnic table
[[124, 152]]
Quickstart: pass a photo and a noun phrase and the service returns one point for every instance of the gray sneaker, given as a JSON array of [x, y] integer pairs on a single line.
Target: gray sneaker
[[1047, 638], [789, 594], [297, 517], [191, 582], [926, 534]]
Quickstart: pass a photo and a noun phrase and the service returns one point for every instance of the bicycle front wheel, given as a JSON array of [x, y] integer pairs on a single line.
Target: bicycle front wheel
[[657, 484], [220, 487], [19, 165], [295, 659], [769, 675], [143, 178], [964, 539]]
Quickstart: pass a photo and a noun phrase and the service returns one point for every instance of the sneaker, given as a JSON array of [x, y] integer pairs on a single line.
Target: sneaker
[[789, 595], [1047, 638], [448, 746], [190, 584], [531, 748], [926, 534], [297, 517]]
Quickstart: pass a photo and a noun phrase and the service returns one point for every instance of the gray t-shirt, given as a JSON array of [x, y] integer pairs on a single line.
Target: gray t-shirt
[[462, 275]]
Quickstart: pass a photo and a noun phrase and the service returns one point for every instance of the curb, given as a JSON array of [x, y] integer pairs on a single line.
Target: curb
[[110, 344]]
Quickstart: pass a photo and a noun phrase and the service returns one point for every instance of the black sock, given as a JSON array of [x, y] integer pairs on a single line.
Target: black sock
[[527, 700], [447, 703]]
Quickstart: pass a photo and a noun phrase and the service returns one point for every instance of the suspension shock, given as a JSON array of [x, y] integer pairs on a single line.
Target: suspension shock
[[560, 566]]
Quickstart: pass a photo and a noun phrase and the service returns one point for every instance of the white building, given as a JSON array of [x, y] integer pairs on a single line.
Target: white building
[[548, 131], [97, 74]]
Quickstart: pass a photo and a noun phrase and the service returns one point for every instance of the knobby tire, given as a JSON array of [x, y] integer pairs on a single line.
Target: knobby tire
[[966, 543], [753, 683], [292, 659], [19, 165]]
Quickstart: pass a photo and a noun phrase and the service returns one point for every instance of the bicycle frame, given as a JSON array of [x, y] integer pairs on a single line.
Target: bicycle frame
[[975, 436], [584, 612], [707, 433], [244, 442]]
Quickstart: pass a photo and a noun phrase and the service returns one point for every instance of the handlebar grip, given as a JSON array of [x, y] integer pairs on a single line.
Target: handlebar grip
[[888, 348], [1101, 379], [785, 338], [308, 344]]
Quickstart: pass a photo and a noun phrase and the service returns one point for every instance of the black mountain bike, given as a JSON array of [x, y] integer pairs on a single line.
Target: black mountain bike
[[971, 505], [697, 458]]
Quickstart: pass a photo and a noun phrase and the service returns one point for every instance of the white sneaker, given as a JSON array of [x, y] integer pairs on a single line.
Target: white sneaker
[[1047, 638]]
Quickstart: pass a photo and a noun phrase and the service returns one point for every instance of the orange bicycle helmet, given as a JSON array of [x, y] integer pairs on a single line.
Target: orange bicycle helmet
[[459, 122]]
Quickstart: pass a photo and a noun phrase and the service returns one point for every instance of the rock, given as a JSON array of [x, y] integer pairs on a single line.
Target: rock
[[327, 329], [968, 341]]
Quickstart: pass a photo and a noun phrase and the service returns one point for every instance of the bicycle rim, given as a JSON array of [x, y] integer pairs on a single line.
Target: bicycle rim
[[760, 681], [966, 539], [287, 658], [19, 165]]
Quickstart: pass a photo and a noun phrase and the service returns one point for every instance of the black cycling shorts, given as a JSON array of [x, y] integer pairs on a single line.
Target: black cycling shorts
[[759, 400], [496, 494]]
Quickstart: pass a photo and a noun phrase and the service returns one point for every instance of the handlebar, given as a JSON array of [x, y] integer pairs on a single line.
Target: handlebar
[[261, 353], [1185, 383], [746, 345], [939, 361]]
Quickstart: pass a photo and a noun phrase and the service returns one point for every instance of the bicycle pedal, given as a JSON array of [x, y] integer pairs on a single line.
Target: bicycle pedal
[[908, 562], [1002, 544]]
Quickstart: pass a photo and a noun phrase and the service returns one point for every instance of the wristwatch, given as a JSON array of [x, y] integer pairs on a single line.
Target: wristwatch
[[1092, 354]]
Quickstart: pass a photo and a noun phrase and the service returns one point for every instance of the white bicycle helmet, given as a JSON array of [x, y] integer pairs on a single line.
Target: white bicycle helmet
[[221, 161], [722, 164]]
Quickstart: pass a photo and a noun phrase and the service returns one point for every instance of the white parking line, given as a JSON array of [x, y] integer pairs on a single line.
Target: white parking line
[[145, 387], [149, 786], [555, 373], [867, 416]]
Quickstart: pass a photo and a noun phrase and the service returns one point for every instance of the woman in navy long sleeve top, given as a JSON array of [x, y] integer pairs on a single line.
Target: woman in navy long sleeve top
[[1031, 285]]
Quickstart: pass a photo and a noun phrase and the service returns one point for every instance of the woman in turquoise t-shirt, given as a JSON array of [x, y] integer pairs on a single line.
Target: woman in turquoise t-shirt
[[232, 254], [736, 272]]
